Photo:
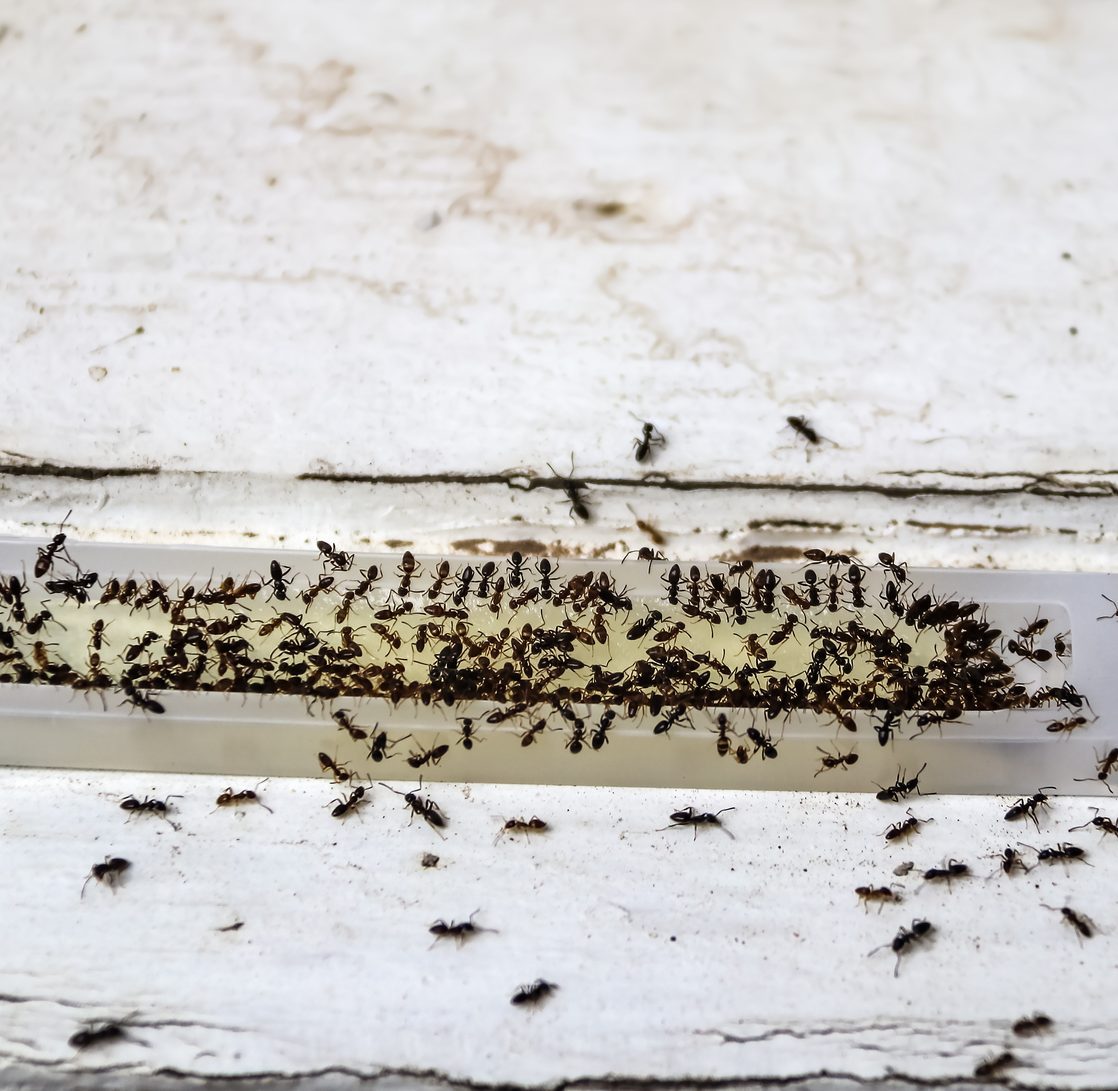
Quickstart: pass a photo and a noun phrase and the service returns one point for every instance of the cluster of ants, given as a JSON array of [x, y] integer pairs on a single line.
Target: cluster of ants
[[538, 643]]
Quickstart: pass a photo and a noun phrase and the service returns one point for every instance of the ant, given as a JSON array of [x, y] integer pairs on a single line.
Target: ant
[[459, 931], [148, 806], [348, 805], [1083, 925], [342, 772], [640, 629], [1100, 822], [898, 571], [516, 567], [534, 993], [1067, 725], [1062, 852], [600, 737], [763, 742], [407, 570], [519, 825], [229, 798], [76, 589], [836, 760], [1038, 1023], [1027, 808], [904, 829], [1105, 766], [468, 733], [278, 578], [578, 737], [723, 731], [903, 939], [529, 736], [419, 758], [953, 870], [879, 894], [108, 873], [821, 556], [52, 549], [994, 1067], [427, 809], [573, 490], [325, 583], [546, 570], [1011, 861], [672, 717], [903, 788], [96, 1034], [689, 816], [345, 723], [336, 558], [803, 429], [650, 437], [645, 553]]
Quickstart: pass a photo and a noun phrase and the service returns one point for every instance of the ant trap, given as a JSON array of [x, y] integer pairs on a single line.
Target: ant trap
[[832, 675]]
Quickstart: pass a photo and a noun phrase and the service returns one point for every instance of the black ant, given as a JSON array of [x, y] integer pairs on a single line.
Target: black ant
[[889, 562], [1011, 861], [600, 737], [763, 742], [573, 490], [459, 931], [1027, 808], [1105, 765], [534, 993], [546, 570], [278, 574], [1063, 852], [419, 758], [803, 429], [1100, 822], [1067, 725], [577, 738], [689, 816], [645, 553], [336, 558], [835, 761], [158, 807], [528, 736], [96, 1034], [342, 772], [821, 556], [1082, 924], [903, 939], [229, 798], [108, 873], [516, 569], [903, 788], [468, 733], [650, 437], [52, 549], [1038, 1023], [672, 717], [723, 731], [994, 1067], [640, 629], [904, 829], [427, 809], [76, 588], [526, 827], [953, 870], [380, 744], [345, 723], [407, 570], [348, 805]]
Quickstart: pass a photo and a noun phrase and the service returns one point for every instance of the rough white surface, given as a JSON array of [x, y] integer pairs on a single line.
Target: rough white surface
[[446, 240], [679, 958], [375, 244]]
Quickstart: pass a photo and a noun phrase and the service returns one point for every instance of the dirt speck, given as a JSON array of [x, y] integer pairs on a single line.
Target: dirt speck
[[97, 373]]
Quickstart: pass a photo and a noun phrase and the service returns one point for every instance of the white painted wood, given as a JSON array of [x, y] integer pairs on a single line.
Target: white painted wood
[[679, 959], [365, 243], [373, 244]]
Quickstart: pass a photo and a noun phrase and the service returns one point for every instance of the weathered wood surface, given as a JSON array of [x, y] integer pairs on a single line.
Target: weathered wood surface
[[429, 250]]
